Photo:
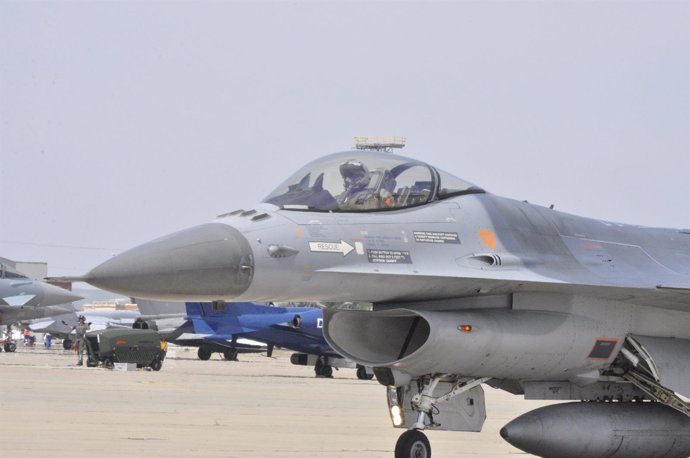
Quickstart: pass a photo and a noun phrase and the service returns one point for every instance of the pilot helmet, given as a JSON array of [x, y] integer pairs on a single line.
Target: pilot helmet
[[353, 172], [82, 318]]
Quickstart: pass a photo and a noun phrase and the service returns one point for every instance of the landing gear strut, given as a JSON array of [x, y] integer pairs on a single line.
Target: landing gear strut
[[645, 377], [413, 443]]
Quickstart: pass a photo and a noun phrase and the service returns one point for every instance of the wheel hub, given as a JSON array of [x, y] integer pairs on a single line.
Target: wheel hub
[[418, 450]]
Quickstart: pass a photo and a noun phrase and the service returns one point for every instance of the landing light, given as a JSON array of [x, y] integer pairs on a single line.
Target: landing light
[[465, 328], [394, 406], [396, 415]]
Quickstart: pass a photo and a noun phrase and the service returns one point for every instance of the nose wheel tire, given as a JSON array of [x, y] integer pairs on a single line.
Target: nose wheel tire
[[156, 364], [204, 354], [323, 370], [362, 373], [413, 444], [230, 354], [67, 344], [10, 347]]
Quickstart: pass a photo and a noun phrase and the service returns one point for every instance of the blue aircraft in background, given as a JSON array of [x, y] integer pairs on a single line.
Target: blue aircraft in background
[[221, 324]]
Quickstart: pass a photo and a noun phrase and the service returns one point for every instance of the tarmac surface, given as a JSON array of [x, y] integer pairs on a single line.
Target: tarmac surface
[[255, 407]]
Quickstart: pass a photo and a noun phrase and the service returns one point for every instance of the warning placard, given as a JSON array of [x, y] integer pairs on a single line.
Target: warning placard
[[436, 237], [389, 257]]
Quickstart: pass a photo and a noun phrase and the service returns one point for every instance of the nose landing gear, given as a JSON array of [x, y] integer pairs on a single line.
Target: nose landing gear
[[425, 403]]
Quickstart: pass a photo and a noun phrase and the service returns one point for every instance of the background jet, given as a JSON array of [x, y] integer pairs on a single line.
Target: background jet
[[166, 317], [295, 328], [60, 326], [22, 298], [170, 319], [467, 288]]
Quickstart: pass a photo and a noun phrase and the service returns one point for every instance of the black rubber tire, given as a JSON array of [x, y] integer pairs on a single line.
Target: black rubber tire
[[362, 373], [91, 363], [67, 344], [108, 363], [230, 354], [203, 353], [413, 444], [10, 347], [156, 364], [327, 371]]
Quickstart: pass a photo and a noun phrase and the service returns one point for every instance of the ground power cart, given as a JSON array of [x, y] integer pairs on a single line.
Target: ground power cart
[[143, 347]]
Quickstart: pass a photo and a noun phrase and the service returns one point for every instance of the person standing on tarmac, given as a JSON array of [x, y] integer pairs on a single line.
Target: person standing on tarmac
[[80, 329]]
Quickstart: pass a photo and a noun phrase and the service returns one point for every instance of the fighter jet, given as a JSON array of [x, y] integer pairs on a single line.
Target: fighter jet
[[224, 325], [22, 298], [467, 289], [61, 325]]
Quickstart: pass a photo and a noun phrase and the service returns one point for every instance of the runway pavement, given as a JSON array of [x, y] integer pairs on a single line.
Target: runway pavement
[[255, 407]]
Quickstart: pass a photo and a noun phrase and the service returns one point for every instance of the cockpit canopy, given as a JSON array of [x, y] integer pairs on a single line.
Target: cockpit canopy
[[8, 272], [357, 181]]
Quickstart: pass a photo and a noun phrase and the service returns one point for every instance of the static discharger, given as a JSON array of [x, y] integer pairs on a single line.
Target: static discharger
[[379, 143]]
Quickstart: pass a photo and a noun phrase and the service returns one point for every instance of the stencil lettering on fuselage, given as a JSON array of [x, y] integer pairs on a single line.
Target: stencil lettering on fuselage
[[389, 257], [436, 237]]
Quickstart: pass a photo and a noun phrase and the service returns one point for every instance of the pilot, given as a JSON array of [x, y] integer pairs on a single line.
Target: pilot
[[355, 180]]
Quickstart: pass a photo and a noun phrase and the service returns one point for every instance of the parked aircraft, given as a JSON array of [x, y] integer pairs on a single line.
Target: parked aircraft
[[468, 288], [61, 326], [22, 298], [166, 317], [170, 319], [295, 328]]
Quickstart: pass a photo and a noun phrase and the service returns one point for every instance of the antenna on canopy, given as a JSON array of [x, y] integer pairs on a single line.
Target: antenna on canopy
[[380, 143]]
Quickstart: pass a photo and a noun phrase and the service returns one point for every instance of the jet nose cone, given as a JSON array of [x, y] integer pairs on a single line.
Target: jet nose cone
[[207, 262], [54, 295]]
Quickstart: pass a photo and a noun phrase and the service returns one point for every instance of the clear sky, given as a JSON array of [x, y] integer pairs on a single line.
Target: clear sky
[[125, 121]]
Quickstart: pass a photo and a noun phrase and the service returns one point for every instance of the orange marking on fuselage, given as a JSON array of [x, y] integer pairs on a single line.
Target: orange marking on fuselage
[[488, 237]]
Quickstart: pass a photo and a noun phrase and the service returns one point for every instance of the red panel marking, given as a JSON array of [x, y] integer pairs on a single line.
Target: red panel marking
[[614, 341]]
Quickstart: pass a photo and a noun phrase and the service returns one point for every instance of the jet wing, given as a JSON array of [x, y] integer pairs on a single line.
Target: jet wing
[[202, 327], [287, 327], [17, 301], [41, 325], [227, 341]]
